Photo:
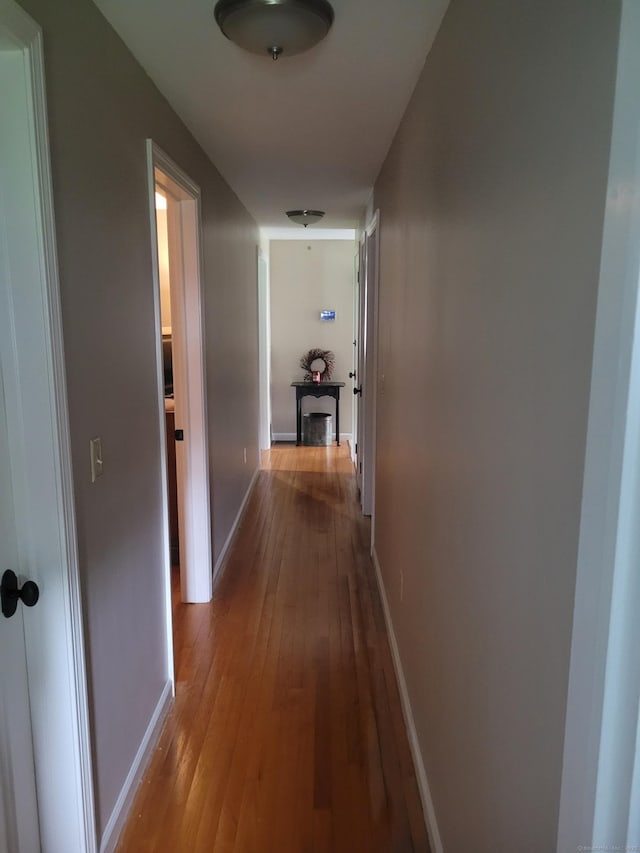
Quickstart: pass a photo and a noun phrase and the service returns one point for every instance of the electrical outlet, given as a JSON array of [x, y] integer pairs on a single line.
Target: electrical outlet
[[95, 451]]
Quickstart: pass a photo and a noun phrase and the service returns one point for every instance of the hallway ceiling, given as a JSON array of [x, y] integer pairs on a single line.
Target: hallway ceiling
[[307, 131]]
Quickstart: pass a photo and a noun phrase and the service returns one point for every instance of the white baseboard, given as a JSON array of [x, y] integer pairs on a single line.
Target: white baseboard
[[234, 529], [291, 436], [421, 775], [121, 810]]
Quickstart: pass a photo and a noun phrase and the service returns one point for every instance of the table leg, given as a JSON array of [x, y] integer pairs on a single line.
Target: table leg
[[338, 418], [298, 421]]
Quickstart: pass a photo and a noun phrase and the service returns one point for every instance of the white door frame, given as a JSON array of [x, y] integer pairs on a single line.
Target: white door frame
[[264, 351], [37, 397], [600, 800], [369, 286], [192, 454]]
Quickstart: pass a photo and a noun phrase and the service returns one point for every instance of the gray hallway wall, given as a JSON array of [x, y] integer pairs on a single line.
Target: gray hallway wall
[[492, 200], [102, 107]]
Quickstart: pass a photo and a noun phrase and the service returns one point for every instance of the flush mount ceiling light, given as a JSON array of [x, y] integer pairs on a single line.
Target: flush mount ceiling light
[[274, 27], [305, 217]]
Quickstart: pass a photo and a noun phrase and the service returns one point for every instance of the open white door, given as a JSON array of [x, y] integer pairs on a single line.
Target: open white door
[[367, 364], [353, 373], [360, 365], [264, 352], [46, 800], [19, 825]]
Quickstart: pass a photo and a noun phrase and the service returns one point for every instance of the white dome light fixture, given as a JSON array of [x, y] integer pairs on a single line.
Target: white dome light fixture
[[305, 217], [274, 27]]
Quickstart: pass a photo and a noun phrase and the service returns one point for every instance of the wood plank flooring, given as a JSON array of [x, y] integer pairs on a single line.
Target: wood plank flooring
[[287, 732]]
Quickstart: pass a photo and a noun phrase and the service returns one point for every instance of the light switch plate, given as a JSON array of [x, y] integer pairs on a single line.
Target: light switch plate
[[95, 447]]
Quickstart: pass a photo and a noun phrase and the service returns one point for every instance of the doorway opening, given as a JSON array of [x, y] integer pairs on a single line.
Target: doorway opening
[[164, 277], [175, 207], [310, 306]]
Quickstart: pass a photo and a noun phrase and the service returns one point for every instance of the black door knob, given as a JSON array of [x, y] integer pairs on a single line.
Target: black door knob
[[357, 390], [10, 594], [352, 374]]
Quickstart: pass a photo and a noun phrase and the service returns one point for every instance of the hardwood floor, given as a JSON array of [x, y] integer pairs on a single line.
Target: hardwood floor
[[287, 733]]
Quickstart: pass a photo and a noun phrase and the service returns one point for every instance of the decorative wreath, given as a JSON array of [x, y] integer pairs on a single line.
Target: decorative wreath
[[324, 355]]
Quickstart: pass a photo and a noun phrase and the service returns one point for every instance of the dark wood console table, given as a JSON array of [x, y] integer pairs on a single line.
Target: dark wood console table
[[315, 389]]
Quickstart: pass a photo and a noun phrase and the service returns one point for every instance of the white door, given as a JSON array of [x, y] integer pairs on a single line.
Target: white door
[[360, 361], [44, 734], [263, 352], [353, 375], [367, 366], [19, 832]]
